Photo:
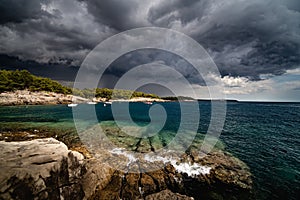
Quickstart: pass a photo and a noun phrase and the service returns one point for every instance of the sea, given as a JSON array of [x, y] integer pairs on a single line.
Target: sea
[[265, 136]]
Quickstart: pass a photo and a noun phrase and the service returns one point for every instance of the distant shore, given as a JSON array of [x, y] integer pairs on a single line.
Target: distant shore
[[140, 99], [25, 97]]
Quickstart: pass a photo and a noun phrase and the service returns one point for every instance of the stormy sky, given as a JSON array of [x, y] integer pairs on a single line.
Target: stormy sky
[[255, 44]]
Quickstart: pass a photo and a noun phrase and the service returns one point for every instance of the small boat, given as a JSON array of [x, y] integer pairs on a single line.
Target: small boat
[[91, 102], [72, 105], [148, 102]]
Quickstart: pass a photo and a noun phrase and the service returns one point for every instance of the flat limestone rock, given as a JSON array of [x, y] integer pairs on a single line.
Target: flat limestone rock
[[41, 169]]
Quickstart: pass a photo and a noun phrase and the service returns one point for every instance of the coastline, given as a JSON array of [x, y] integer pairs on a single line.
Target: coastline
[[25, 97], [139, 99]]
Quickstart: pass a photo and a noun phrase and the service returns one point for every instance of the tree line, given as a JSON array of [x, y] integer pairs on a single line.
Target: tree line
[[111, 93], [24, 80]]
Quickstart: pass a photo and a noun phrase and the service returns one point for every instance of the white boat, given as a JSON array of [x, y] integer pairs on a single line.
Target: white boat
[[72, 105], [91, 103]]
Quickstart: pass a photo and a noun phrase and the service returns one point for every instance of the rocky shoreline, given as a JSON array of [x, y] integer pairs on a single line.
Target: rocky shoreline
[[47, 169], [25, 97]]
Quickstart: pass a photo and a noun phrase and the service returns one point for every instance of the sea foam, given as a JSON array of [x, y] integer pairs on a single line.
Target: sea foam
[[119, 151], [190, 169]]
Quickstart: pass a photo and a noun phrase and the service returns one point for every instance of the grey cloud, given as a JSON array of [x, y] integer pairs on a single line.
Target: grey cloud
[[270, 30], [292, 4], [64, 35], [55, 71], [120, 15], [19, 10], [245, 38], [167, 11], [141, 57]]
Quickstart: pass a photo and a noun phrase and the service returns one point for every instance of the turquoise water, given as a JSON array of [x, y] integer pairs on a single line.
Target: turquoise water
[[266, 136]]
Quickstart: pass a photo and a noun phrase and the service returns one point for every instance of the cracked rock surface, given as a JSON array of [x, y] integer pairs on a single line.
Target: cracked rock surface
[[46, 169], [40, 169]]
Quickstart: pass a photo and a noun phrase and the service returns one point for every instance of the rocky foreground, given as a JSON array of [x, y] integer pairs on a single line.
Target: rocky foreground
[[47, 169]]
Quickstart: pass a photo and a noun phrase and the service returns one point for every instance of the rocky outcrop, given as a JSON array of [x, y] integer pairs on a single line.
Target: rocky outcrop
[[41, 169], [217, 176], [25, 97], [46, 169]]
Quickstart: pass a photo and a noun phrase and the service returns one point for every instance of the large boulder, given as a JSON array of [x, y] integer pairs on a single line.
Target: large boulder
[[46, 169]]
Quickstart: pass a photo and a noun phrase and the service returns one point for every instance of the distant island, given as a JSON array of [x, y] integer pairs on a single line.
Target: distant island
[[227, 100]]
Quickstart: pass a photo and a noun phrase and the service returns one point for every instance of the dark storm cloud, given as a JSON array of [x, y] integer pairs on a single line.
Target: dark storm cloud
[[55, 71], [245, 38], [53, 31], [19, 10], [114, 13], [292, 4], [273, 57], [141, 57], [168, 11]]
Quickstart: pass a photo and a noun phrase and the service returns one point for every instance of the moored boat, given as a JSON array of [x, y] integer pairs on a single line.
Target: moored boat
[[91, 102], [72, 105]]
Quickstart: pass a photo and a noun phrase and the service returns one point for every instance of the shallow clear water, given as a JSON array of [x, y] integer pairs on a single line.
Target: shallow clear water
[[266, 136]]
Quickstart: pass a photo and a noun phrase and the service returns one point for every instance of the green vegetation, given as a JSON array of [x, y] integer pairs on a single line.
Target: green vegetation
[[22, 80], [179, 98], [170, 98], [111, 94]]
